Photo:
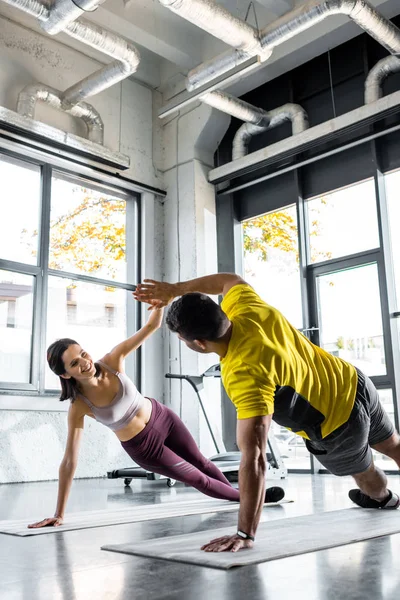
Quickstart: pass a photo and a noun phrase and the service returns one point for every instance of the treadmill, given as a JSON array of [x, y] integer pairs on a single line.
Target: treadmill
[[227, 461]]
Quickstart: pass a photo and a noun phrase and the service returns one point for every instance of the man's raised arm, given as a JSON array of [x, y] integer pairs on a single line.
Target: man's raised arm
[[164, 292]]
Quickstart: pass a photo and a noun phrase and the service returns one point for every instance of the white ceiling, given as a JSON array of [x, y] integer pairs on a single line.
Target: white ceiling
[[170, 46]]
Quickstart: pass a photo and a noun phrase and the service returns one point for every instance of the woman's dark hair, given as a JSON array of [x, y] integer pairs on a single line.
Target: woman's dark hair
[[196, 317], [69, 387]]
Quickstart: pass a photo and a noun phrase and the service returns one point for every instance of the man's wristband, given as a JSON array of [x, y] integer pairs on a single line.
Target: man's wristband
[[244, 535]]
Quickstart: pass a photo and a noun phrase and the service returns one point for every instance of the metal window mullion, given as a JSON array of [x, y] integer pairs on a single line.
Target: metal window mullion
[[94, 184], [133, 257], [16, 267], [387, 287], [89, 279], [40, 314], [346, 262], [302, 240]]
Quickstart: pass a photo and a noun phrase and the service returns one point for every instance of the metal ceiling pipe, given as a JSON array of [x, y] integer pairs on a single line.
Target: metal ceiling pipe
[[294, 22], [35, 8], [63, 12], [126, 63], [71, 144], [29, 96], [376, 77], [288, 112], [312, 138], [126, 56], [217, 21], [236, 108]]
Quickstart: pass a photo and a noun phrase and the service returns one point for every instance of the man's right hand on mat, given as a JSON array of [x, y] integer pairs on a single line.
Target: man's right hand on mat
[[50, 522], [227, 543], [150, 290]]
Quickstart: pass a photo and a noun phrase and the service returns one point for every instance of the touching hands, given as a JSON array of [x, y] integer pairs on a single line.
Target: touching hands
[[227, 543], [156, 293], [50, 522]]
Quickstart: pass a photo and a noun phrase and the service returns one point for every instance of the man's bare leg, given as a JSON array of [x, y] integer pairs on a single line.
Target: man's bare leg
[[390, 447], [373, 481]]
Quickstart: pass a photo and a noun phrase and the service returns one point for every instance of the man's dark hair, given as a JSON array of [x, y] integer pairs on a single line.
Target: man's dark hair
[[196, 317]]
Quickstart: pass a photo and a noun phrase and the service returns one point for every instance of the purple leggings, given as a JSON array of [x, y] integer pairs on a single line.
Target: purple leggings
[[166, 447]]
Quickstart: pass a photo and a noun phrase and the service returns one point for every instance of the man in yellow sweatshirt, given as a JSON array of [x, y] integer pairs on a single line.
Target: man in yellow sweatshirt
[[272, 371]]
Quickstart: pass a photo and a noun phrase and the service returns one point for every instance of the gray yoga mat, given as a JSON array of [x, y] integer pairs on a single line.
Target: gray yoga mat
[[135, 514], [275, 539]]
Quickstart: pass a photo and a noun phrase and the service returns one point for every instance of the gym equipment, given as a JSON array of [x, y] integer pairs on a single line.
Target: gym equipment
[[227, 462]]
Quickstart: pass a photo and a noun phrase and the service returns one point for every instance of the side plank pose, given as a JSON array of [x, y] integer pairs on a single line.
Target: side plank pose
[[151, 433], [272, 371]]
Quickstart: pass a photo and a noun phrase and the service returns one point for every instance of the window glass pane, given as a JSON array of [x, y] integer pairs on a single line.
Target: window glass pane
[[292, 448], [93, 315], [16, 314], [343, 222], [87, 231], [19, 211], [392, 183], [271, 261], [351, 324], [386, 397]]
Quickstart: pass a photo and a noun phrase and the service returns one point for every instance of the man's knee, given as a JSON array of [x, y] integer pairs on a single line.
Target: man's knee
[[391, 446]]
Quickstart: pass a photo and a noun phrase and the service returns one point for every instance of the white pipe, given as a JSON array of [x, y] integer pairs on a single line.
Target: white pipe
[[29, 96], [35, 8], [217, 21], [288, 112], [303, 141], [126, 56], [236, 108], [294, 22], [71, 143], [376, 77], [126, 63], [63, 12]]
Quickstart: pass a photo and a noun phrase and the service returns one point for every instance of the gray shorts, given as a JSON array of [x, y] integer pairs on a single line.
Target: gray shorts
[[347, 450]]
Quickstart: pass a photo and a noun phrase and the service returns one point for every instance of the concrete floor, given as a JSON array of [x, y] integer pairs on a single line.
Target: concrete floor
[[71, 566]]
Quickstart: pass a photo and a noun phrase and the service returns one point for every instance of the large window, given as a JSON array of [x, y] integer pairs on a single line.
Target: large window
[[68, 259], [343, 222], [271, 260]]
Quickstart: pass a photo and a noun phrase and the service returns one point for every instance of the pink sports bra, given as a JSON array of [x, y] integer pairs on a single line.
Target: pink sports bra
[[125, 405]]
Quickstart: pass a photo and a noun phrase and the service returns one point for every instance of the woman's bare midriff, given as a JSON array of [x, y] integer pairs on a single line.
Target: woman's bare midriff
[[137, 424]]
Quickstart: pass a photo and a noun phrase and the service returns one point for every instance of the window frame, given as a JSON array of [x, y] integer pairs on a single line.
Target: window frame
[[93, 179]]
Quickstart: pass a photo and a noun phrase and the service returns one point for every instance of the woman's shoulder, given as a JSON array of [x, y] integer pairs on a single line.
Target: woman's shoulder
[[112, 361]]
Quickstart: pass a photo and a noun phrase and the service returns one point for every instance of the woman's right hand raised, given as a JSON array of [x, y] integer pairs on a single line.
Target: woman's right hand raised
[[50, 522]]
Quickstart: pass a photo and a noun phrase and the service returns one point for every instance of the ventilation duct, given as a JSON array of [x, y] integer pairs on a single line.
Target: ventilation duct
[[377, 75], [219, 22], [310, 139], [288, 112], [236, 108], [126, 56], [29, 96], [64, 12], [35, 131], [291, 24]]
